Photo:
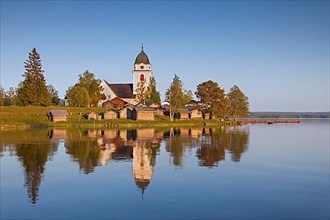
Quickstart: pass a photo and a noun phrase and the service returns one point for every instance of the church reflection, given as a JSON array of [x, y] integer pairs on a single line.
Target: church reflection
[[91, 149]]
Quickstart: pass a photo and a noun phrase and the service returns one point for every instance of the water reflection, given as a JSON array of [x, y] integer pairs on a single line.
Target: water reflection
[[215, 142], [33, 149], [96, 148]]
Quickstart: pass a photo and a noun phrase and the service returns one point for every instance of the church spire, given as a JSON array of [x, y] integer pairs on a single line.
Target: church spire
[[142, 46]]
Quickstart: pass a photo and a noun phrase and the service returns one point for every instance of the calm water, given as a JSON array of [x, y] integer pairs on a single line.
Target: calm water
[[250, 172]]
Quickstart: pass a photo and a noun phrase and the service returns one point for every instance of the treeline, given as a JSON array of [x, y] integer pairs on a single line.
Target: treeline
[[33, 90], [211, 99], [290, 115]]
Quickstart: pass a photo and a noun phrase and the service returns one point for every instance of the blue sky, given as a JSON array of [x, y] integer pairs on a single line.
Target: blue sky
[[277, 52]]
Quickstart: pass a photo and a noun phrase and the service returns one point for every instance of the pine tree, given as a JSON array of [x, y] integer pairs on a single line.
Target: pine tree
[[33, 90], [153, 94], [239, 104]]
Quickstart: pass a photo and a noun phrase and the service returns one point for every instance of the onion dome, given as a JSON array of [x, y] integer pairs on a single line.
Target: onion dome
[[142, 58]]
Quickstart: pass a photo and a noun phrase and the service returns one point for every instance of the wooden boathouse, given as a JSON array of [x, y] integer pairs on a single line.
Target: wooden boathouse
[[58, 115]]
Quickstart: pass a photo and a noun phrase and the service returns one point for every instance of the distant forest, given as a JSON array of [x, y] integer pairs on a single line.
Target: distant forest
[[290, 115]]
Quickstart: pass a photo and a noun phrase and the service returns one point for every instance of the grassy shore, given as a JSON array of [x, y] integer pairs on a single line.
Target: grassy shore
[[32, 116]]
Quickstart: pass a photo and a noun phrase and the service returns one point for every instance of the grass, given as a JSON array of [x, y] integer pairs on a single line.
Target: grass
[[35, 116]]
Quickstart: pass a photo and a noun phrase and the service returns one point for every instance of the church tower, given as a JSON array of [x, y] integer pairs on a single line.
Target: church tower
[[142, 69]]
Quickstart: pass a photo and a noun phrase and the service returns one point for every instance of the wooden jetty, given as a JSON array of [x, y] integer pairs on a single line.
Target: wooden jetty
[[270, 121]]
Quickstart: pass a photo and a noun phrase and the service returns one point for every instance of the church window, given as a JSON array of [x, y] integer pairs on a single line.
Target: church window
[[141, 77]]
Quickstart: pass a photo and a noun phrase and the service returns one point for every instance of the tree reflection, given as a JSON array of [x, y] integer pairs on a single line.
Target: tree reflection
[[85, 150], [177, 141], [217, 141], [33, 149], [92, 148], [239, 142], [212, 148]]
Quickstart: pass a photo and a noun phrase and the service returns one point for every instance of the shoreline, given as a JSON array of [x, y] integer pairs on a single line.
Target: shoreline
[[158, 123], [15, 117]]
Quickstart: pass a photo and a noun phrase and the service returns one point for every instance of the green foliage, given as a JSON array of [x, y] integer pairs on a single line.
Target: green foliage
[[212, 98], [10, 97], [153, 94], [239, 104], [233, 141], [33, 90], [86, 152], [187, 96], [53, 94], [2, 95], [177, 96], [142, 92], [78, 96], [92, 85]]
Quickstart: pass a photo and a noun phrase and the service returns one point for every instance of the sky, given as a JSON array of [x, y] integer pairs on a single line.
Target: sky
[[277, 52]]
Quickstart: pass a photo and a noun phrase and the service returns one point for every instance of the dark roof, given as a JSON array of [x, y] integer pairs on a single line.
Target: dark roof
[[142, 183], [59, 112], [142, 58], [122, 153], [183, 110], [141, 108], [122, 90]]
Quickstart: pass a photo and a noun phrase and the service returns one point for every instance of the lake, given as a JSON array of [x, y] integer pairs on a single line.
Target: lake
[[278, 171]]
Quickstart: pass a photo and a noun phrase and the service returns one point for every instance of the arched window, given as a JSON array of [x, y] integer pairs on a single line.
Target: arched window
[[141, 77]]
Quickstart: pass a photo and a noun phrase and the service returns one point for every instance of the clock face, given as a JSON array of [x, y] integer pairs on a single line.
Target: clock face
[[141, 67]]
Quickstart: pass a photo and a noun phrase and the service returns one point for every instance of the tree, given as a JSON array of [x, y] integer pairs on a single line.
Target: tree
[[187, 96], [53, 94], [239, 104], [212, 98], [92, 85], [33, 90], [2, 95], [10, 97], [176, 96], [77, 96], [153, 94], [142, 92]]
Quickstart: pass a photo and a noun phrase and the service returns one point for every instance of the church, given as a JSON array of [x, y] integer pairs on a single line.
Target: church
[[127, 91]]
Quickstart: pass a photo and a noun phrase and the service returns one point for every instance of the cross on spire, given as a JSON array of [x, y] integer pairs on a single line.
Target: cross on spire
[[142, 46]]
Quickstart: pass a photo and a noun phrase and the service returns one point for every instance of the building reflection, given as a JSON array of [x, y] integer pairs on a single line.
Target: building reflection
[[142, 165], [92, 148]]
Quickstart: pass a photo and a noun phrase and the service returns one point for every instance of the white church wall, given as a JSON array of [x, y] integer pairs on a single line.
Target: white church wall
[[107, 91]]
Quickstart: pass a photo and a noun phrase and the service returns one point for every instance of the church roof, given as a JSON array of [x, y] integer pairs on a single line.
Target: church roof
[[122, 90], [142, 183], [142, 58], [122, 153]]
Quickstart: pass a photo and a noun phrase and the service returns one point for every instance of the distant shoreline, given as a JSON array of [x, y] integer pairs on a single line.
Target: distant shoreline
[[302, 115]]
